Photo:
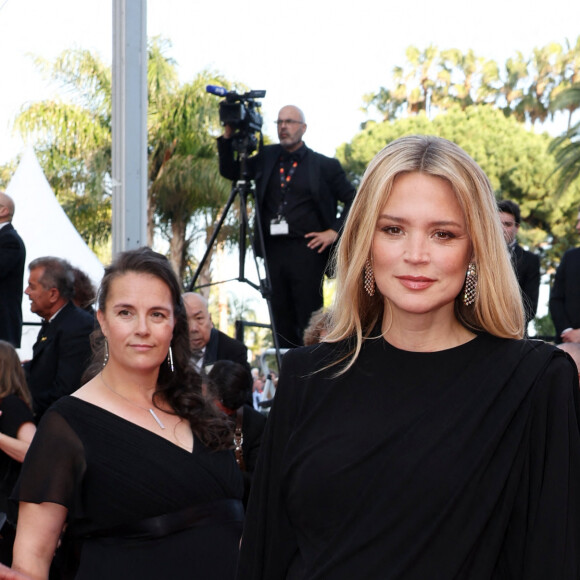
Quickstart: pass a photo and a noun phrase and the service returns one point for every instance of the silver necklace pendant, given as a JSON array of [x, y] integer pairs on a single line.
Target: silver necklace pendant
[[157, 419]]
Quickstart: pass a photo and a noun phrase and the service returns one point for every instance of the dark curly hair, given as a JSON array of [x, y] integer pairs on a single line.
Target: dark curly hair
[[181, 388]]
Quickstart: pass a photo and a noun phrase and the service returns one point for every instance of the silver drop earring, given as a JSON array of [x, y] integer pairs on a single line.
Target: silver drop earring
[[369, 278], [170, 359], [106, 357], [470, 285]]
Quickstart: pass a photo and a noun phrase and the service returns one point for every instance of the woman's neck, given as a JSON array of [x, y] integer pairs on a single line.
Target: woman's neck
[[424, 333], [130, 384]]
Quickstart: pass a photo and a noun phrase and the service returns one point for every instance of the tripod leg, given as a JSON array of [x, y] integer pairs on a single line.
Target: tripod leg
[[234, 191], [265, 283]]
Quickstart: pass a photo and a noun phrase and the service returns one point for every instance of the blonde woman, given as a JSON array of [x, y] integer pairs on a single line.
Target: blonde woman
[[424, 438]]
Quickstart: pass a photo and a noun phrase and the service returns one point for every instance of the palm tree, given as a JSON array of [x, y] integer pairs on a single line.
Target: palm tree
[[516, 72], [544, 67], [463, 68], [183, 169], [567, 147], [569, 73], [74, 140], [74, 144]]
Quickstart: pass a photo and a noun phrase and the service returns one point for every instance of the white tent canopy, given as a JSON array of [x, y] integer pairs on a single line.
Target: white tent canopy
[[46, 231]]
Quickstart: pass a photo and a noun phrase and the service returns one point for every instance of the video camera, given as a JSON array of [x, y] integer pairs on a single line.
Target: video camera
[[241, 112]]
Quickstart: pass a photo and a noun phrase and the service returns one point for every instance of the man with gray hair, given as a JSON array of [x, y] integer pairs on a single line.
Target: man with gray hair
[[12, 258], [62, 350]]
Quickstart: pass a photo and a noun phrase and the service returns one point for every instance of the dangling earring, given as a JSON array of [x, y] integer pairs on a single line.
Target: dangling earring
[[470, 285], [170, 359], [106, 357], [369, 278]]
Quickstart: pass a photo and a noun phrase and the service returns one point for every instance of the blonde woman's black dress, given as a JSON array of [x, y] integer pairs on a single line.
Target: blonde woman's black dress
[[459, 464]]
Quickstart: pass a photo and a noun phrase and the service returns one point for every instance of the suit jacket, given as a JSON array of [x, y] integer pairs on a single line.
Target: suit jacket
[[527, 269], [59, 357], [328, 182], [12, 258], [565, 293], [223, 347]]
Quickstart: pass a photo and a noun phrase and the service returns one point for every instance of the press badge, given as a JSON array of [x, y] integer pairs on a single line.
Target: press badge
[[279, 227]]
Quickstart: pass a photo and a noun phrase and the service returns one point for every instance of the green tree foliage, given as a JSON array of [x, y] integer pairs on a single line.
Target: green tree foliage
[[515, 159], [433, 80], [186, 191], [567, 147], [73, 140]]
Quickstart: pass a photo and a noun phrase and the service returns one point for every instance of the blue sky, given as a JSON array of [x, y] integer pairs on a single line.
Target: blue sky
[[322, 55]]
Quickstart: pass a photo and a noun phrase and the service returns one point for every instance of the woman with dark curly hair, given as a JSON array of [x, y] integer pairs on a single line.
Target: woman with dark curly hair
[[136, 462]]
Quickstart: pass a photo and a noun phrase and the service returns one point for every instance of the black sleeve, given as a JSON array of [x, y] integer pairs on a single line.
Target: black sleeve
[[11, 256], [557, 296], [15, 412], [268, 542], [531, 286], [54, 465], [544, 534], [341, 189]]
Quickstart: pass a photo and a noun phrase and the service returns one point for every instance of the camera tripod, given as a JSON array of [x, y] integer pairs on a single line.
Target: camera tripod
[[242, 189]]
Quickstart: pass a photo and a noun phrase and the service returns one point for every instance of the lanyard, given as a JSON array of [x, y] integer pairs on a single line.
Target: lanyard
[[285, 179]]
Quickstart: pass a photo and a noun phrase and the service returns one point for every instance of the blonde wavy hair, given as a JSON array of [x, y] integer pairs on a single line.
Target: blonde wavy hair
[[498, 307]]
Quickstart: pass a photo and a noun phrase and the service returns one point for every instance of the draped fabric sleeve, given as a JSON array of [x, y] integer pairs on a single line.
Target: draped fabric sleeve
[[54, 466], [269, 541], [544, 536]]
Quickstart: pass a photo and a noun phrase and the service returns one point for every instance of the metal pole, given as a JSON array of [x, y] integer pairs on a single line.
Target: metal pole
[[129, 124]]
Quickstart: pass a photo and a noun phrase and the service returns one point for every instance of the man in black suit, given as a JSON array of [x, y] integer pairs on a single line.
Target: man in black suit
[[12, 258], [565, 296], [526, 264], [207, 343], [298, 192], [62, 350]]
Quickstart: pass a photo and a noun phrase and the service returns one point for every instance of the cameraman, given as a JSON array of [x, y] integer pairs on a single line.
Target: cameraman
[[297, 191]]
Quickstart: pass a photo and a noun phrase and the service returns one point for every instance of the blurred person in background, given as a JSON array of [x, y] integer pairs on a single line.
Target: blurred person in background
[[16, 432]]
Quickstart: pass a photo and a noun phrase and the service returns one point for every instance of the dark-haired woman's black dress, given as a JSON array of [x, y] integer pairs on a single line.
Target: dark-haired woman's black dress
[[117, 479], [459, 464]]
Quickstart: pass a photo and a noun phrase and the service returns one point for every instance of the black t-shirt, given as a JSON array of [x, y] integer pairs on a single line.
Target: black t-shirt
[[15, 412]]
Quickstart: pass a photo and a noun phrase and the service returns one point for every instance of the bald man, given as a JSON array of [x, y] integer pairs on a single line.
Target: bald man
[[208, 344], [12, 258], [298, 193]]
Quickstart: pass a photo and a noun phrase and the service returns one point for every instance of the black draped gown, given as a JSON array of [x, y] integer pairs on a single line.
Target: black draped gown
[[459, 464], [112, 474]]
